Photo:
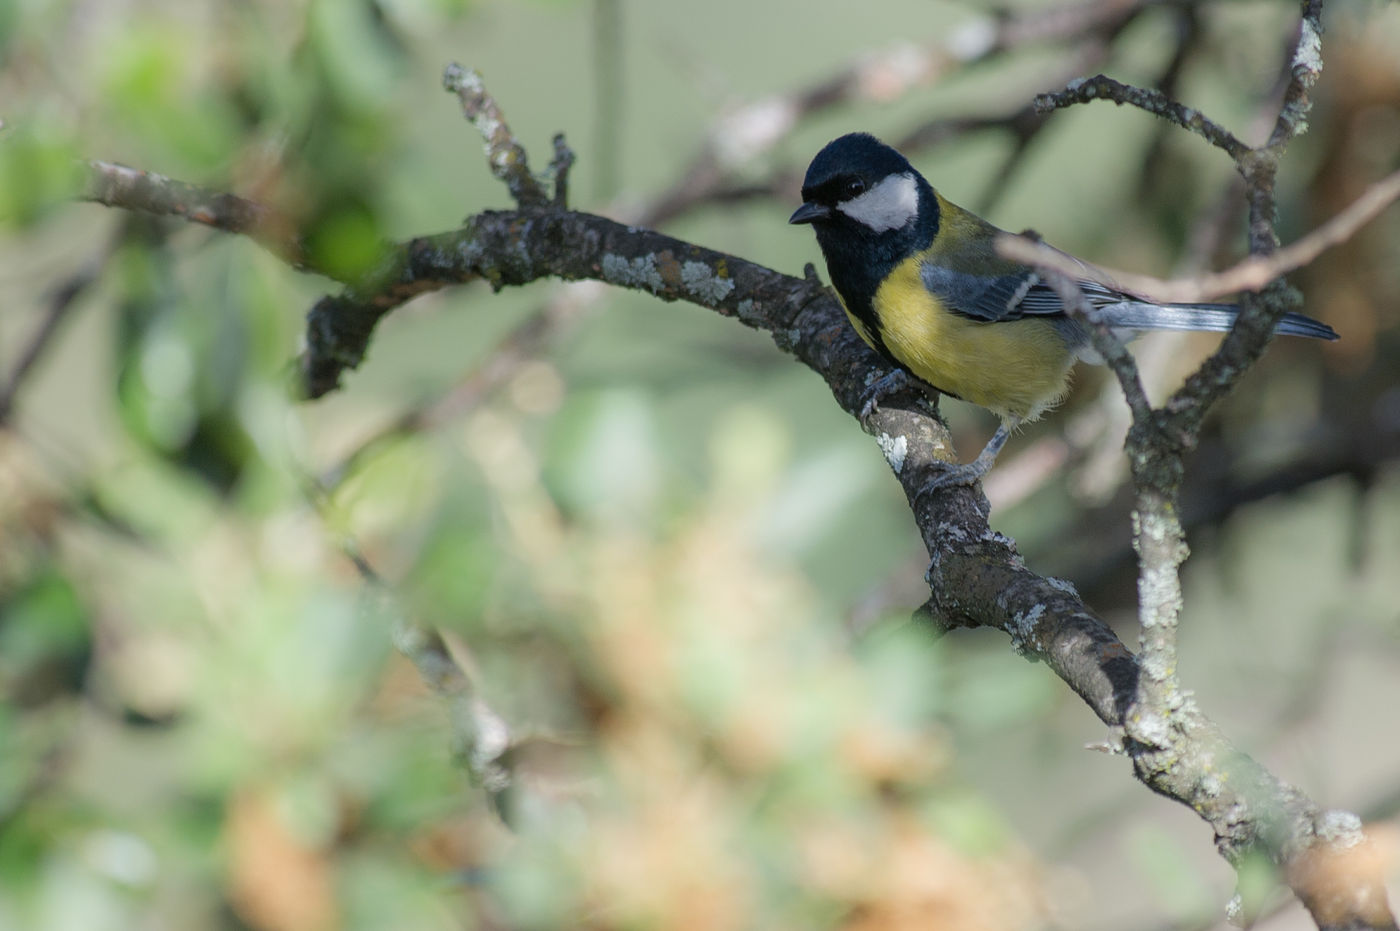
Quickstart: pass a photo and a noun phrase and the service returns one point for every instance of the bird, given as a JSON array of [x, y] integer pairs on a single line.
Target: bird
[[923, 285]]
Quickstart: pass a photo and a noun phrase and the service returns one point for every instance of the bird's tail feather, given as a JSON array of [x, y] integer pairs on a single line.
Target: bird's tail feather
[[1216, 318]]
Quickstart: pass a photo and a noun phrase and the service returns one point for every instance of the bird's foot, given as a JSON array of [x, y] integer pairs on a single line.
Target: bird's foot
[[953, 474], [885, 385]]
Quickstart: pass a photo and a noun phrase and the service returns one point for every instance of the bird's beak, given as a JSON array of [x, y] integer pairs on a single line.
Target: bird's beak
[[810, 213]]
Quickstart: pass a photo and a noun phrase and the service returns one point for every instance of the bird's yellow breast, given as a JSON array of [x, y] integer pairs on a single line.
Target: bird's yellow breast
[[1017, 369]]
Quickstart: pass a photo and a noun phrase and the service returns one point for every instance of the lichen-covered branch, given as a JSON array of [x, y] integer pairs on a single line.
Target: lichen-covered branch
[[1304, 67], [521, 246]]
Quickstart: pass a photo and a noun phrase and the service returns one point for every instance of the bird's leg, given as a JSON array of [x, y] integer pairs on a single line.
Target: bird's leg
[[965, 474], [887, 384]]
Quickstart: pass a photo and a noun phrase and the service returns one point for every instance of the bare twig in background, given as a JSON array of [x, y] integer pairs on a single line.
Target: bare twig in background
[[61, 304], [483, 737], [1187, 24], [1249, 274], [132, 189]]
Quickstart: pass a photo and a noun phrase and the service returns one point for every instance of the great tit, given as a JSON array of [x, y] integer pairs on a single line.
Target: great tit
[[923, 285]]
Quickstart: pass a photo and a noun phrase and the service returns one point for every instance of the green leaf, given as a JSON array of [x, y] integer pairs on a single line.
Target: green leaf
[[155, 82], [347, 243], [39, 169]]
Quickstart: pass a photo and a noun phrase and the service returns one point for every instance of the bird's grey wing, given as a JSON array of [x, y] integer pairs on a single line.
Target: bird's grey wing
[[1013, 294], [989, 298], [1009, 295]]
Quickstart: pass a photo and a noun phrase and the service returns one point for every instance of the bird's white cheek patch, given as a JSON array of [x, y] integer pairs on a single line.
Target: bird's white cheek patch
[[889, 205]]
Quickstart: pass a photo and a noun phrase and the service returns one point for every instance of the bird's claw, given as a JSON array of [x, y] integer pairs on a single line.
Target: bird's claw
[[887, 384]]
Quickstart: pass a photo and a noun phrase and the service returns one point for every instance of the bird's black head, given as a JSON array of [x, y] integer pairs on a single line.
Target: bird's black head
[[862, 186], [870, 210]]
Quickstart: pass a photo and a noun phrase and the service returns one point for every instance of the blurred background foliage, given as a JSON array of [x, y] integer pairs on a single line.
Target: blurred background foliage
[[669, 561]]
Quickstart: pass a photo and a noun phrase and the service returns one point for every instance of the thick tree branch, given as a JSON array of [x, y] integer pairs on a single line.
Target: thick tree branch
[[712, 179], [520, 246]]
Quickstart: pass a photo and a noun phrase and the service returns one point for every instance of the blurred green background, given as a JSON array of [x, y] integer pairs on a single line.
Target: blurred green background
[[672, 564]]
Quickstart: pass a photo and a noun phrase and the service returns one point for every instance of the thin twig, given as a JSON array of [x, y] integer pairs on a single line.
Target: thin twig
[[483, 737], [1115, 354], [1305, 66], [504, 153], [1242, 346], [132, 189], [1254, 272], [1102, 87], [61, 304], [559, 170]]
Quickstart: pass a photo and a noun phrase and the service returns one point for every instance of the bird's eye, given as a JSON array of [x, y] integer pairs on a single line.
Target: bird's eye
[[854, 188]]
